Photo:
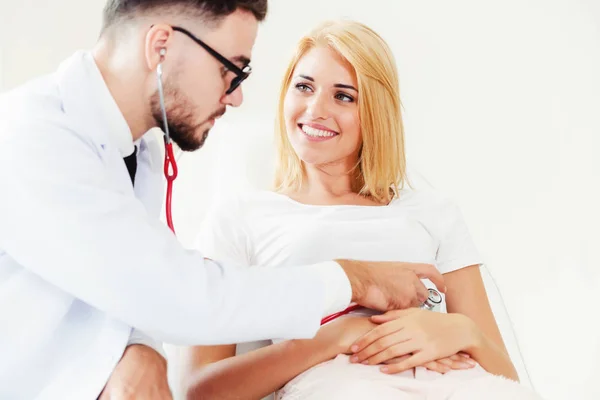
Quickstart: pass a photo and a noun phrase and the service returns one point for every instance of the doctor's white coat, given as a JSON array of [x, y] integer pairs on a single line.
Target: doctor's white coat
[[84, 257]]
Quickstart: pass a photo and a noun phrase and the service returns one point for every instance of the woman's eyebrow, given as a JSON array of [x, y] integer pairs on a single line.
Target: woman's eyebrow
[[343, 86], [337, 85]]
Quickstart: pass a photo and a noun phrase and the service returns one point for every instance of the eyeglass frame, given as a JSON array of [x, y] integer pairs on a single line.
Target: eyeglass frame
[[240, 73]]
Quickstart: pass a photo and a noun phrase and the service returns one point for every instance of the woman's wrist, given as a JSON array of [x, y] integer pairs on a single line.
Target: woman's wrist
[[321, 348], [335, 343], [486, 352], [330, 340], [474, 339]]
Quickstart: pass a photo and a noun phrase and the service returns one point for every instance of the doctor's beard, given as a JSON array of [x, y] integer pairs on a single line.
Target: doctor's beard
[[182, 128]]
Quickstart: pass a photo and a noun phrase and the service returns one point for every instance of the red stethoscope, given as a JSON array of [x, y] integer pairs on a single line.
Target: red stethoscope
[[348, 310], [432, 303], [170, 174], [170, 167]]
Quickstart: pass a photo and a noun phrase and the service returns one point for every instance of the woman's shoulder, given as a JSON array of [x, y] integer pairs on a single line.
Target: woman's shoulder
[[436, 210], [427, 199]]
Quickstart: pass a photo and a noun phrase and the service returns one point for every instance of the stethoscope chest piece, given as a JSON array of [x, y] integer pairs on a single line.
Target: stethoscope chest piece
[[433, 302]]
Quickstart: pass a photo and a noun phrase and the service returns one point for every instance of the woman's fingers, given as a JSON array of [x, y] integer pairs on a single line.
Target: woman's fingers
[[391, 352], [411, 362], [381, 345], [437, 367], [397, 359], [373, 336], [446, 361], [461, 357], [457, 362]]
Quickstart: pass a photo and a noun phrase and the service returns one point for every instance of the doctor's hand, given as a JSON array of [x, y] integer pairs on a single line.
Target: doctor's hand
[[387, 286], [417, 336], [141, 374]]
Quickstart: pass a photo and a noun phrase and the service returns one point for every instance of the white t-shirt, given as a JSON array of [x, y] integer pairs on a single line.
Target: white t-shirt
[[261, 228], [267, 229]]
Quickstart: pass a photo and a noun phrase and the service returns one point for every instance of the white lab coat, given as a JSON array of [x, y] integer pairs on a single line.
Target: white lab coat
[[83, 258]]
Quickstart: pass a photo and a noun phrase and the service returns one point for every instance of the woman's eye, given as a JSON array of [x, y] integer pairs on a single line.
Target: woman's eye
[[344, 97], [224, 71], [302, 87]]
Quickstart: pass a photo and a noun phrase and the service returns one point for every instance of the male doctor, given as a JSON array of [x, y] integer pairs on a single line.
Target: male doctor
[[85, 264]]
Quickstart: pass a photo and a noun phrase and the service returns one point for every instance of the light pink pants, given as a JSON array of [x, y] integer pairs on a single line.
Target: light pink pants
[[339, 379]]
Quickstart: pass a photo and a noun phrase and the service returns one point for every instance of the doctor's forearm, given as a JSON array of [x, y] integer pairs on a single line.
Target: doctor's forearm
[[258, 373]]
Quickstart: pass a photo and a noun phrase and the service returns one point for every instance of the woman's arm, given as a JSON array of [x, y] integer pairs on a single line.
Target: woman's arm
[[466, 295], [194, 358], [256, 374], [419, 336], [212, 372]]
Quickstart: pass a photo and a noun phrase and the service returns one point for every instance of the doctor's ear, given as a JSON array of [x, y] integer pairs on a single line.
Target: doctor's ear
[[157, 40]]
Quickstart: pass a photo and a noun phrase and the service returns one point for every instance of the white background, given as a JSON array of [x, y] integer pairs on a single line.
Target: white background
[[501, 107]]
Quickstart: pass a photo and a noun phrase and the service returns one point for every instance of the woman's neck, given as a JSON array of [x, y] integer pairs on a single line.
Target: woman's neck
[[326, 186]]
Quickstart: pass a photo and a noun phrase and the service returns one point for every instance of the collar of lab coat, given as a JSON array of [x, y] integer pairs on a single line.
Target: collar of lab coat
[[93, 112], [88, 96]]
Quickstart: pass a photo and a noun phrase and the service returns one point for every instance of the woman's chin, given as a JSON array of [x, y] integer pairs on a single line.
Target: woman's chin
[[309, 158]]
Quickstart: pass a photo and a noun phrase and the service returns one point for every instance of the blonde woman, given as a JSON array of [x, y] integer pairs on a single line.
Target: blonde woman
[[341, 193]]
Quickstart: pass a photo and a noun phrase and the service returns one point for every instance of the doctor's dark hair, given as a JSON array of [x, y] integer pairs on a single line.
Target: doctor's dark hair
[[211, 11]]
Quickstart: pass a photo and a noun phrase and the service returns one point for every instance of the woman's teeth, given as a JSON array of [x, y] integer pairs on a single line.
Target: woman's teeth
[[316, 132]]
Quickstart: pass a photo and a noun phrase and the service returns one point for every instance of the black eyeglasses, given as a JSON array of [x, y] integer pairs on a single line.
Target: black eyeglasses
[[241, 73]]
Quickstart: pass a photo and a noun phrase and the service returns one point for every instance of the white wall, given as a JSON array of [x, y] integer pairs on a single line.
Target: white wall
[[501, 103], [1, 66], [2, 45], [39, 34]]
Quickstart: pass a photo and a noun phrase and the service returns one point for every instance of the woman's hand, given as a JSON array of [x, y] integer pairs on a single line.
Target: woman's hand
[[340, 334], [456, 362], [424, 336]]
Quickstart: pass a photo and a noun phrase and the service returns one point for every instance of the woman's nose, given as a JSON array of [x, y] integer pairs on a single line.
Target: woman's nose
[[317, 107]]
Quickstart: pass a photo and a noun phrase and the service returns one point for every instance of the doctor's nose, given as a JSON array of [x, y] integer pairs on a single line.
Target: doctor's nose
[[234, 99]]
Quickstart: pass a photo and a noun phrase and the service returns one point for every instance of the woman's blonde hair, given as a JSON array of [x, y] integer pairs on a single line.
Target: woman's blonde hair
[[382, 163]]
